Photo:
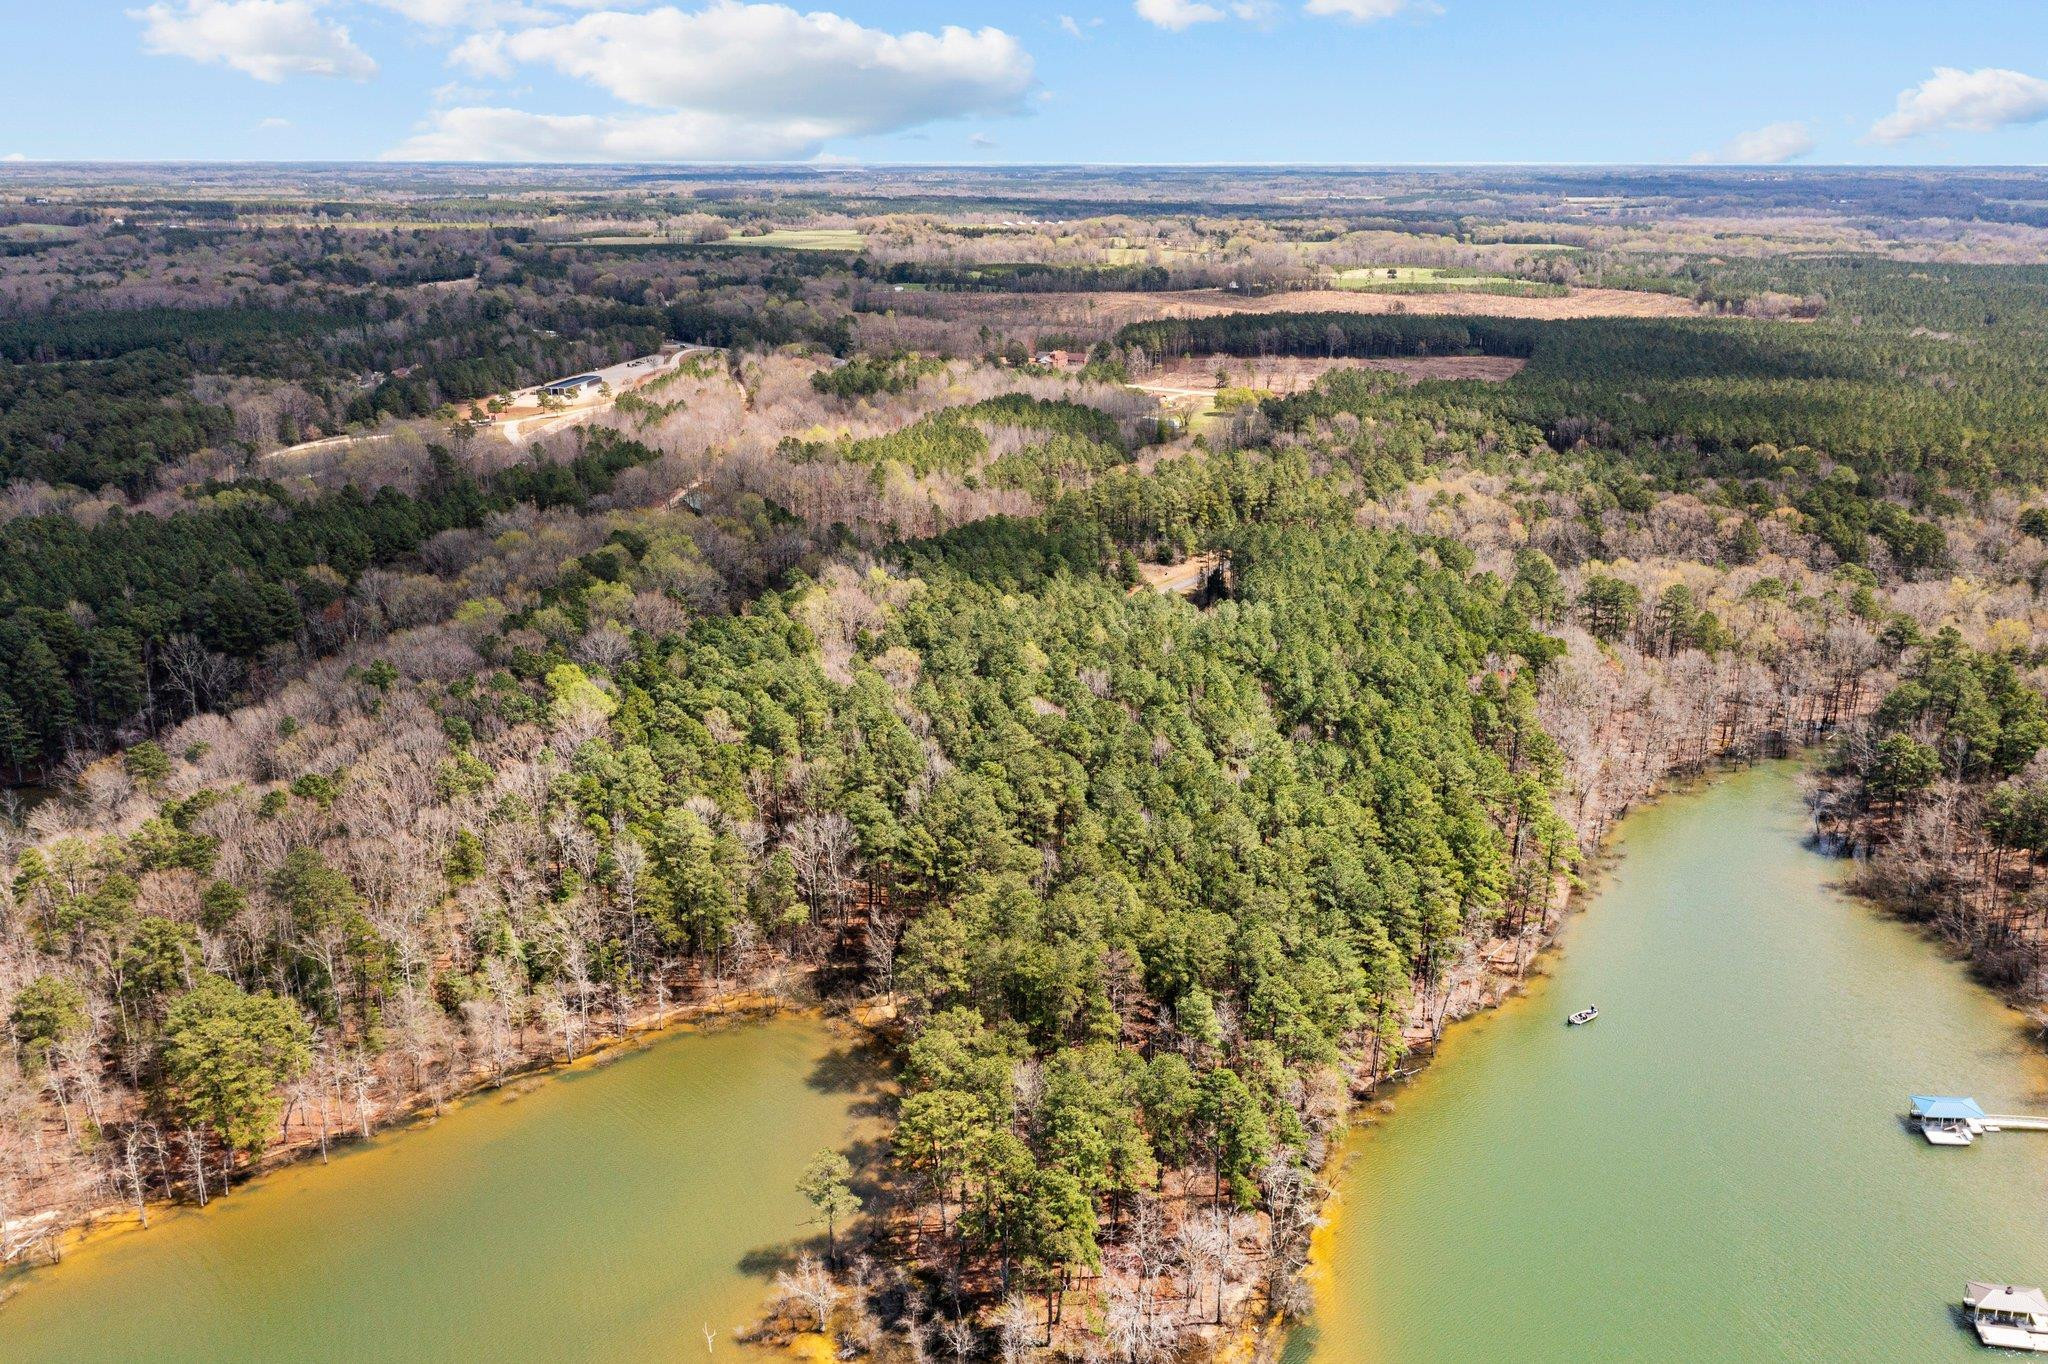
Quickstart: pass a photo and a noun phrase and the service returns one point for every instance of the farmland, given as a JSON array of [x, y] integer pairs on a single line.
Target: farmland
[[800, 239], [1426, 279]]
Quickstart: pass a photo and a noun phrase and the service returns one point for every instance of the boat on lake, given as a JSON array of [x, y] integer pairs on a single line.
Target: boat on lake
[[1584, 1016], [2008, 1316]]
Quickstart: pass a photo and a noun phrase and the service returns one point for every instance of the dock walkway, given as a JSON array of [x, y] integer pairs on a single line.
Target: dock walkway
[[1948, 1120]]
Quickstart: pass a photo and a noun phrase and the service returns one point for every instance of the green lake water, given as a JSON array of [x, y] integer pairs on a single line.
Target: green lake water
[[1715, 1169], [609, 1213]]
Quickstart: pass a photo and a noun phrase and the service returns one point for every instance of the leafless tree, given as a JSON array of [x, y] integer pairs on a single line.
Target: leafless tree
[[811, 1285]]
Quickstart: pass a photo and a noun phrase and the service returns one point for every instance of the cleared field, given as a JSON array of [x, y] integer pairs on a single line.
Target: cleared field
[[1099, 313], [1576, 303], [802, 239], [1407, 276], [36, 232], [1145, 255]]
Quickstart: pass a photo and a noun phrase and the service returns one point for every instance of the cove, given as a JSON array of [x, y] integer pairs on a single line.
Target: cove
[[1715, 1169], [603, 1213]]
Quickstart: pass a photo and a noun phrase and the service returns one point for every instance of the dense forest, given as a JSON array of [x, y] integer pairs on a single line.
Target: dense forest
[[153, 618], [1908, 411]]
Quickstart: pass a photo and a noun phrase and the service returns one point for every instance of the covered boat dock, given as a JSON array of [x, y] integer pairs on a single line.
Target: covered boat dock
[[1946, 1120], [2007, 1316]]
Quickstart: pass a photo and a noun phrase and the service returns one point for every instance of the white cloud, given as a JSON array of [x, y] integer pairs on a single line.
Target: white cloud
[[455, 92], [1180, 15], [733, 81], [1953, 100], [15, 156], [1075, 28], [1366, 11], [1176, 15], [1770, 145], [772, 62], [267, 39], [273, 124], [482, 54], [446, 14], [461, 13]]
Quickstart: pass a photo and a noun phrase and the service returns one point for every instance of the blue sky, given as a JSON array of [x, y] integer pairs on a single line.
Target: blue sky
[[1175, 81]]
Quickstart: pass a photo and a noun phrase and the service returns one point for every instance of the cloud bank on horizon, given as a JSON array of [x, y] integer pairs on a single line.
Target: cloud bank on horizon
[[747, 81], [1772, 145], [759, 80]]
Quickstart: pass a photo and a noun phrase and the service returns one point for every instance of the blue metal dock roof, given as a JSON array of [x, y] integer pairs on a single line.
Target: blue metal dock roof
[[1945, 1107]]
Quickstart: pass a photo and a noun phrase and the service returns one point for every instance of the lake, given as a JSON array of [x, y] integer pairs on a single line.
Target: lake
[[611, 1212], [1715, 1169]]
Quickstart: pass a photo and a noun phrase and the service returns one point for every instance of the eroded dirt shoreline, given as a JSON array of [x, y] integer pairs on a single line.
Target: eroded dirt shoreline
[[783, 991]]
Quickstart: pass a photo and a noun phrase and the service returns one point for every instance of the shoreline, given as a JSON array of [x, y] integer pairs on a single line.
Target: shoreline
[[763, 1000], [1366, 1295], [1254, 1334], [1265, 1340]]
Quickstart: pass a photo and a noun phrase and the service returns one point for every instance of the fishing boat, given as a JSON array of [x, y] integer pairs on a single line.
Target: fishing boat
[[2008, 1316], [1585, 1015]]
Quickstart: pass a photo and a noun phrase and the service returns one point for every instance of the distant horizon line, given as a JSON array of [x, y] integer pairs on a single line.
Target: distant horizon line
[[847, 165]]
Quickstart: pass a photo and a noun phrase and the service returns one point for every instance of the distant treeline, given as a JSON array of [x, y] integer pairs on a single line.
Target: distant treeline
[[1031, 277], [1331, 335]]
